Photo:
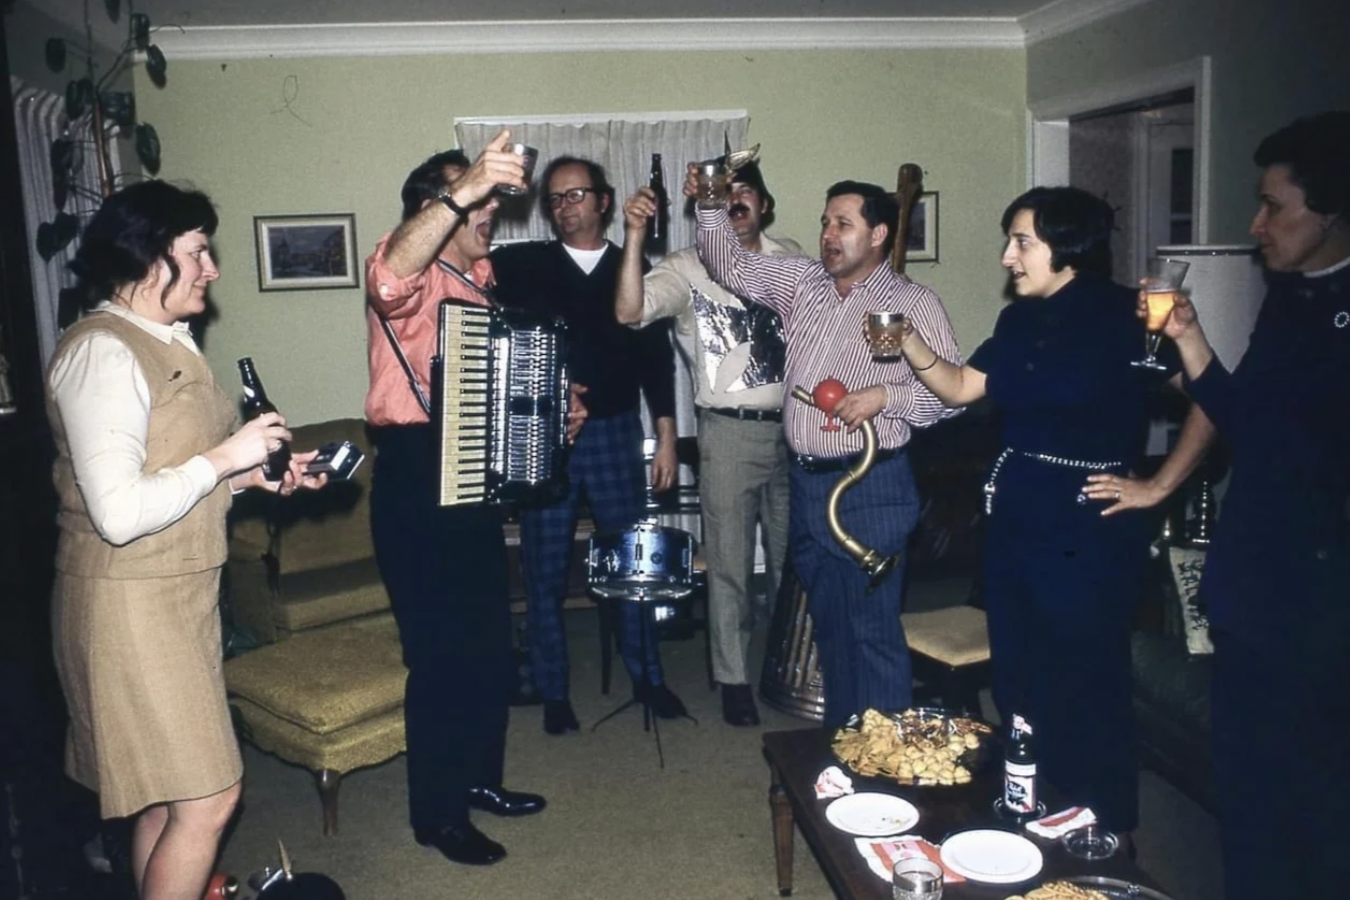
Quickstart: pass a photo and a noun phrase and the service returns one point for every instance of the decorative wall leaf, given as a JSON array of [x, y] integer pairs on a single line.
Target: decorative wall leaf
[[53, 236], [140, 30], [56, 54], [79, 97], [62, 155], [147, 147], [119, 106], [156, 65], [60, 188], [114, 8]]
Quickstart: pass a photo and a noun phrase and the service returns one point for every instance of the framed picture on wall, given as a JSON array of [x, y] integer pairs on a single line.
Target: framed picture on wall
[[298, 253], [922, 242]]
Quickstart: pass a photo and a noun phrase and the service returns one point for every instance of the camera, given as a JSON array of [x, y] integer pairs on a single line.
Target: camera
[[337, 459]]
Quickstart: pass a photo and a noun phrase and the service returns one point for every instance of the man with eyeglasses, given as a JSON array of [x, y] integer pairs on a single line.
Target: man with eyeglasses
[[574, 278], [738, 354]]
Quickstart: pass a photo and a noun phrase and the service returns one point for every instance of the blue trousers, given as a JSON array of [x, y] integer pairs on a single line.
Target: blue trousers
[[445, 569], [864, 660], [1061, 584], [606, 464]]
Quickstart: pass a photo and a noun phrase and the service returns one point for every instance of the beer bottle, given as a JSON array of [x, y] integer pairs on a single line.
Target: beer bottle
[[255, 404], [656, 230], [1019, 771]]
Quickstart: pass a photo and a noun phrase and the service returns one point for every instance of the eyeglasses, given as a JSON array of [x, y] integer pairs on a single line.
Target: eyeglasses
[[570, 197]]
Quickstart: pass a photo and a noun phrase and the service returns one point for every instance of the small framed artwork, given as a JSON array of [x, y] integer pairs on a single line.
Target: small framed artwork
[[298, 253], [921, 244]]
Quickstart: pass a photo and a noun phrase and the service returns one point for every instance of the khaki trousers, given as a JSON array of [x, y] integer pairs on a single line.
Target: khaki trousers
[[743, 479]]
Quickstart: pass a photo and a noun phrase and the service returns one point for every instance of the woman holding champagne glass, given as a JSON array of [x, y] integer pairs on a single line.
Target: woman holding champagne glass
[[1066, 545], [1277, 575]]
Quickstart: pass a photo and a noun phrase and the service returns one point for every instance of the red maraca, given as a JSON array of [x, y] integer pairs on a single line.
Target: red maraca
[[826, 397]]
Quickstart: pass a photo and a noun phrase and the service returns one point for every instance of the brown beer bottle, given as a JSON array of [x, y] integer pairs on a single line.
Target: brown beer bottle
[[656, 230], [255, 404]]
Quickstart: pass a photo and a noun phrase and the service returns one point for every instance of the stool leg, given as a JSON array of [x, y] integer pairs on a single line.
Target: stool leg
[[329, 782]]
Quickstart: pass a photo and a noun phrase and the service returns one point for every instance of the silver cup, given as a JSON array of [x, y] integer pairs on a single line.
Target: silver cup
[[713, 184], [916, 879], [528, 157]]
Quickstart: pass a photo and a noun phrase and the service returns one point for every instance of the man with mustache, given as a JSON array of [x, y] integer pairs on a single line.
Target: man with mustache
[[737, 353], [824, 304], [444, 567], [573, 278]]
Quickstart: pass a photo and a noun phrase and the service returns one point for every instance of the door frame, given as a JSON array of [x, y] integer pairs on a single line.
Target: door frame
[[1048, 125]]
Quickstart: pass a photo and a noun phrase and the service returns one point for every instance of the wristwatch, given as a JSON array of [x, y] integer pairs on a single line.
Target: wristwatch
[[450, 204]]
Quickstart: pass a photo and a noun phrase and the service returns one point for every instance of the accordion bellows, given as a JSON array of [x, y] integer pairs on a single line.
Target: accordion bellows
[[500, 384]]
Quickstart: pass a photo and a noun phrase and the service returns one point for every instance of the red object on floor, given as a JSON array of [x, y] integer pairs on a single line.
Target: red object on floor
[[222, 887]]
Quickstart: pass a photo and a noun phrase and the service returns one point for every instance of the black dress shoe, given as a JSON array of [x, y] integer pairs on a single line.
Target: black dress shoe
[[501, 802], [661, 699], [738, 705], [559, 717], [462, 844]]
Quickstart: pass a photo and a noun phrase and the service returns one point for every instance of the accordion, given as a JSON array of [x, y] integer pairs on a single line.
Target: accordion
[[500, 397]]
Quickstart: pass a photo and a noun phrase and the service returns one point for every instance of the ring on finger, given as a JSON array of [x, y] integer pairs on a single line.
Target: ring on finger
[[1117, 495]]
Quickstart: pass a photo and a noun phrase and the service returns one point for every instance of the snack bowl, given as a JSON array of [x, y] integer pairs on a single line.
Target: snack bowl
[[921, 746]]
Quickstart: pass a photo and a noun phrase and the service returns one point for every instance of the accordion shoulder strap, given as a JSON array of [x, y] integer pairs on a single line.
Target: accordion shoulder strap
[[413, 383]]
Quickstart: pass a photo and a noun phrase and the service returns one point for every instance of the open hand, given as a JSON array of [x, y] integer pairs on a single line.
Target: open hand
[[1122, 492]]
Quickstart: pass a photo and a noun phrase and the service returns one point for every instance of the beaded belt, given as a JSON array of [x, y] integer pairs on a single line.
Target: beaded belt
[[990, 486]]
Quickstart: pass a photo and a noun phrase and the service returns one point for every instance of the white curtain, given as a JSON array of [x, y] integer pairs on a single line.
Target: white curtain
[[39, 119], [623, 145]]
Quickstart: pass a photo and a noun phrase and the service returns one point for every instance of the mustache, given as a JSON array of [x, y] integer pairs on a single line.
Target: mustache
[[738, 207]]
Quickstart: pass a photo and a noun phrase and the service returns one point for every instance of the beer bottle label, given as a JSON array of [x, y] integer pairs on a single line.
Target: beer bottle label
[[1019, 787]]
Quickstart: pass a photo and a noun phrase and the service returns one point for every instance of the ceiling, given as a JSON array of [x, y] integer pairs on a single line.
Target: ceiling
[[214, 13]]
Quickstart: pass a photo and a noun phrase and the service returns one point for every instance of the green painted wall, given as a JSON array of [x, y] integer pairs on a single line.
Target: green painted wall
[[1272, 61], [285, 136]]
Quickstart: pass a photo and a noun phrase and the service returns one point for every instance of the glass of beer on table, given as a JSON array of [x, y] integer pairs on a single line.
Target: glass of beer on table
[[1161, 284]]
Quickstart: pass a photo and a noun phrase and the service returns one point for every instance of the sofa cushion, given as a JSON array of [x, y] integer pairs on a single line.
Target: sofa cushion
[[328, 679], [955, 636], [313, 597]]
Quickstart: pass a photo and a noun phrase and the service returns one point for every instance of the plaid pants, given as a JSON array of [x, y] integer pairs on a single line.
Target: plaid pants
[[606, 463]]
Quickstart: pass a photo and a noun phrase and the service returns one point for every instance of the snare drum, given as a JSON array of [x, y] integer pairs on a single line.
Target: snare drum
[[647, 560]]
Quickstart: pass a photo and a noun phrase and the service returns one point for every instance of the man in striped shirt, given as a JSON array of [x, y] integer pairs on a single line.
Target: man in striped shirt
[[824, 305]]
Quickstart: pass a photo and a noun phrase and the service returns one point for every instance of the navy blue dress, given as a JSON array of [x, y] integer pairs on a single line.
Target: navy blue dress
[[1277, 585], [1062, 581]]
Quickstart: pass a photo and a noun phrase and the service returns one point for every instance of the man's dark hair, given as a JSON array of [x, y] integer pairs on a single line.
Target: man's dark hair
[[134, 230], [426, 181], [1317, 151], [594, 171], [879, 206], [751, 175], [1073, 223]]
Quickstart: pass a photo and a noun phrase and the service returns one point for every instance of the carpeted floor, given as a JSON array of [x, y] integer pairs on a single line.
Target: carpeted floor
[[618, 825]]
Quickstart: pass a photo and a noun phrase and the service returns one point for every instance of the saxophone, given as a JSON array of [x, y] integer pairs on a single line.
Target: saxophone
[[877, 567]]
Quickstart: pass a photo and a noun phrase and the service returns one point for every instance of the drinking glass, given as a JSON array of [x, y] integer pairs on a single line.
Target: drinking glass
[[528, 157], [1161, 284], [916, 879], [884, 330], [713, 184]]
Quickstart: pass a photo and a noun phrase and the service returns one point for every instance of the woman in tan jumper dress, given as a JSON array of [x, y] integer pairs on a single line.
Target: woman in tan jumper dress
[[148, 457]]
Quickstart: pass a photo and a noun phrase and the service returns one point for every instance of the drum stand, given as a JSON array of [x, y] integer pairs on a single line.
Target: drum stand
[[646, 603]]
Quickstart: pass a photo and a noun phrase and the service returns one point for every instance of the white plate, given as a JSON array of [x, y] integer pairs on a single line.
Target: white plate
[[872, 815], [993, 857]]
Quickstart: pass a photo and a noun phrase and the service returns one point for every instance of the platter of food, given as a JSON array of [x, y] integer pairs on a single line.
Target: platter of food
[[920, 746], [1091, 887]]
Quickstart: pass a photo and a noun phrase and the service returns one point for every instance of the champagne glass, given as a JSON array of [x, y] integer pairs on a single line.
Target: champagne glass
[[1161, 284]]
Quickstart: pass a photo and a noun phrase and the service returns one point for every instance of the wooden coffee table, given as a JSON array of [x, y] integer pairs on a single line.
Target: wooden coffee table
[[796, 759]]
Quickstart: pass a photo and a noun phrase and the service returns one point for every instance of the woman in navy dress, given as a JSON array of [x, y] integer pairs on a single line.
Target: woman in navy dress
[[1066, 546], [1277, 575]]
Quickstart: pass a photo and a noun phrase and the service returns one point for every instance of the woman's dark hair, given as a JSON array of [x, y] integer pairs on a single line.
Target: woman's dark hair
[[1074, 224], [879, 206], [426, 181], [594, 171], [1317, 151], [134, 230]]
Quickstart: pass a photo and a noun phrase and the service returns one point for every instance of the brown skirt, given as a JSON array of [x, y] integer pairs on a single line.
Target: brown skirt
[[140, 664]]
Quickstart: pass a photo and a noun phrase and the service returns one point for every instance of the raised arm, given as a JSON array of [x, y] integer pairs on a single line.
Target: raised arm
[[954, 384], [637, 212]]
